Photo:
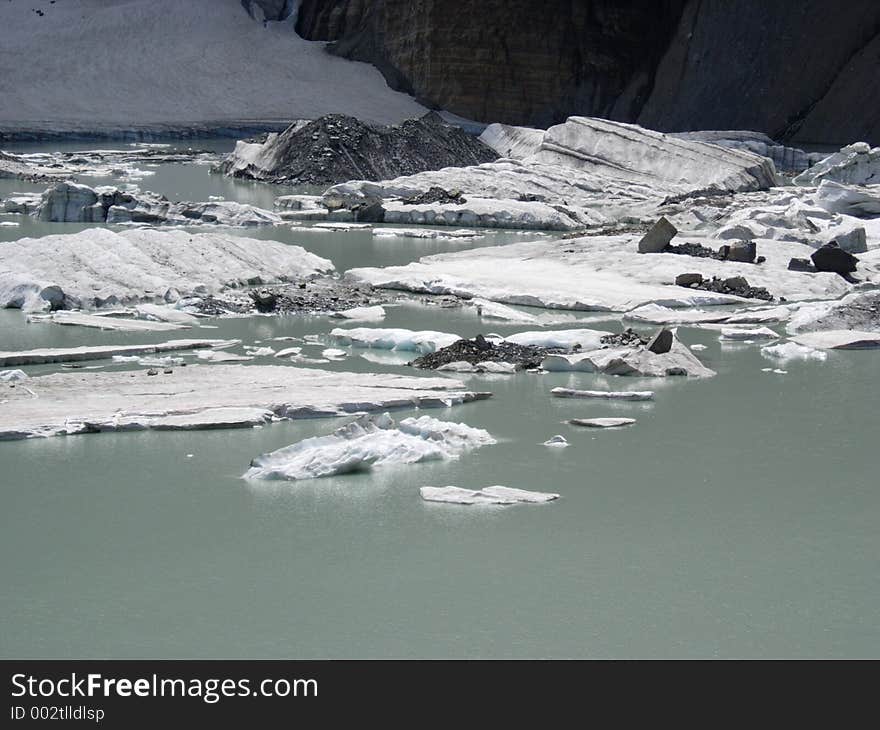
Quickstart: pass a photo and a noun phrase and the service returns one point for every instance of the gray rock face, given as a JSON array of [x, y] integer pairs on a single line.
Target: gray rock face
[[658, 238], [665, 65], [740, 251], [661, 342], [688, 279], [336, 148]]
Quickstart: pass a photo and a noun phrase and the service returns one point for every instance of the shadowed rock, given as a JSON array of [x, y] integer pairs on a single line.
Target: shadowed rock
[[658, 238]]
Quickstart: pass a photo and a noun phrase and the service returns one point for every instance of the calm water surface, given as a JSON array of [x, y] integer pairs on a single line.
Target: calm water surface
[[738, 517]]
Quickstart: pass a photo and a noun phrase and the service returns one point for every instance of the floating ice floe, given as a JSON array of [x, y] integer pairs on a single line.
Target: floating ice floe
[[607, 394], [697, 347], [361, 313], [288, 351], [601, 422], [498, 494], [221, 356], [425, 233], [147, 361], [212, 396], [839, 340], [343, 226], [792, 351], [331, 353], [259, 351], [656, 314], [557, 441], [106, 322], [423, 342], [369, 442], [164, 313], [760, 333], [98, 267], [103, 352]]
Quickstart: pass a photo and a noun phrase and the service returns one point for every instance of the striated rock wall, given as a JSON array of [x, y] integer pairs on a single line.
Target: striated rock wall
[[517, 61], [796, 71]]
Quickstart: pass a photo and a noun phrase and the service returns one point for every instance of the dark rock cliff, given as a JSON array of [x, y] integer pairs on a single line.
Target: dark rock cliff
[[805, 71]]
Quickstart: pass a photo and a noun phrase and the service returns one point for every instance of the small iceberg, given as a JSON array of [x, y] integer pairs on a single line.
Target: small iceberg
[[610, 394], [558, 441], [369, 442], [487, 495], [602, 422], [793, 351]]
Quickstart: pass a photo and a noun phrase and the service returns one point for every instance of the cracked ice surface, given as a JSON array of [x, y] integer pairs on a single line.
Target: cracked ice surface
[[369, 442], [603, 273], [99, 266], [202, 396]]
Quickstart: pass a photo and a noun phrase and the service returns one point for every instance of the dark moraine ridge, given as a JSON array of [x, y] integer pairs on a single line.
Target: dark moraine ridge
[[336, 148], [797, 71]]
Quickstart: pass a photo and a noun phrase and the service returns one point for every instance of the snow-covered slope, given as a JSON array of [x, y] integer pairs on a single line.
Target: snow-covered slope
[[166, 61]]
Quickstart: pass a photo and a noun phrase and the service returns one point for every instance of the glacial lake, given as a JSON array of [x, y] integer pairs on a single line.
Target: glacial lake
[[737, 518]]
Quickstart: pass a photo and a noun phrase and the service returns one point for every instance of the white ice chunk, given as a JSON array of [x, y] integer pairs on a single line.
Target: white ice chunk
[[101, 352], [839, 340], [362, 313], [601, 422], [792, 351], [557, 441], [423, 342], [608, 394], [12, 376], [760, 333], [367, 443], [588, 339], [488, 495], [78, 402]]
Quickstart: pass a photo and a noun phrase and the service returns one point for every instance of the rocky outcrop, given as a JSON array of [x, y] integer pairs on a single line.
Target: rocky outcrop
[[794, 71], [336, 148], [515, 61]]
